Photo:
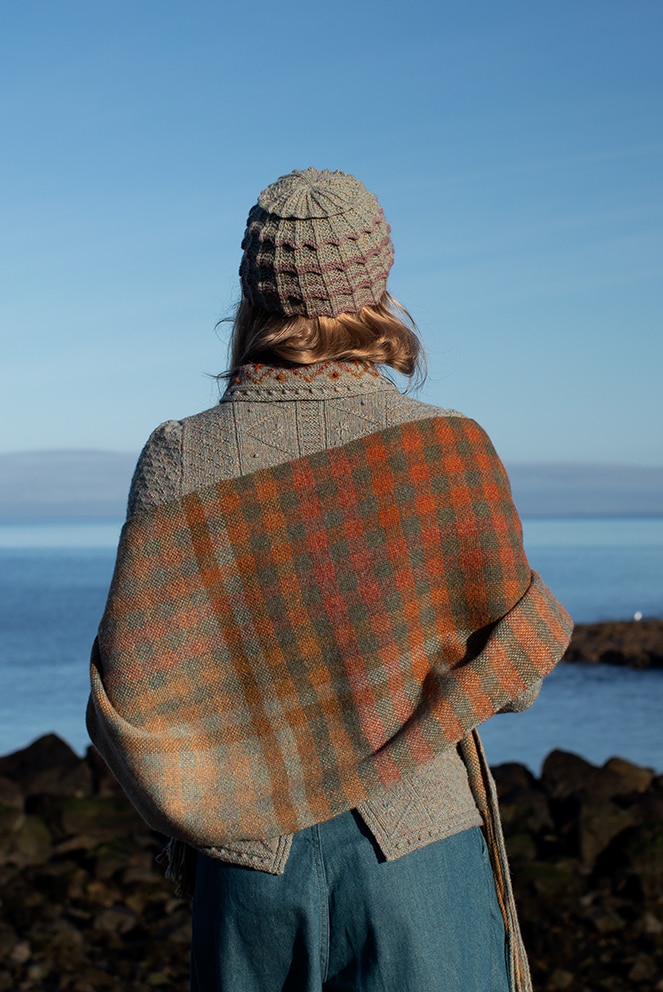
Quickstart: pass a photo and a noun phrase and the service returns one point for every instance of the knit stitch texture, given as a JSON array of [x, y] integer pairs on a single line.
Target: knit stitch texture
[[316, 244]]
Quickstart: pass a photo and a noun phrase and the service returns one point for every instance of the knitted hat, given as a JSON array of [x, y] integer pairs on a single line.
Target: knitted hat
[[316, 245]]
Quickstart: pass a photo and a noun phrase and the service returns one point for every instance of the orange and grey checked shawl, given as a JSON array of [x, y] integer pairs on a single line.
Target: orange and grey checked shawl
[[278, 647]]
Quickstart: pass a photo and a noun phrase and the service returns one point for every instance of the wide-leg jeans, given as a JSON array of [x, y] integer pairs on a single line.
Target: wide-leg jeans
[[342, 919]]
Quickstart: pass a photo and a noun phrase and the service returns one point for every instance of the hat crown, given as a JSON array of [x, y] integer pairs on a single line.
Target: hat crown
[[311, 194], [316, 245]]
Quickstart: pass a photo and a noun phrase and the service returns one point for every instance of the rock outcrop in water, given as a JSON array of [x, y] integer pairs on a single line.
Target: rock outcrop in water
[[84, 905], [635, 644]]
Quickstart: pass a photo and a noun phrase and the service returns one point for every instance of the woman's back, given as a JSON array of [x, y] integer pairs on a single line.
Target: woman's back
[[303, 650], [271, 414]]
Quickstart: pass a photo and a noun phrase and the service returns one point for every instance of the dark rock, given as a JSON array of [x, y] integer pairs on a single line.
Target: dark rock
[[552, 879], [10, 819], [11, 795], [598, 823], [637, 644], [104, 782], [115, 919], [523, 803], [85, 908], [27, 843], [522, 846], [566, 774], [526, 809], [648, 923], [643, 969], [606, 919], [112, 857], [511, 776], [635, 859], [8, 940], [48, 765], [21, 952], [560, 980], [103, 817], [648, 805], [633, 777]]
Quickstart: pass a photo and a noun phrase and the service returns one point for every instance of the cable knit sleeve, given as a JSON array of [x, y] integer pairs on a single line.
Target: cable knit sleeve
[[157, 477]]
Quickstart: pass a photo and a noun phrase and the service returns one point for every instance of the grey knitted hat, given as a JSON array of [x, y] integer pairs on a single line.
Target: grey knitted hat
[[316, 245]]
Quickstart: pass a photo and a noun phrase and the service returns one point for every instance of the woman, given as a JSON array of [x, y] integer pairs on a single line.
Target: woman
[[320, 592]]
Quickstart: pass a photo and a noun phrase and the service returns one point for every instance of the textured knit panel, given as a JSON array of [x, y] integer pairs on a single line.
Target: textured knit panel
[[262, 422], [316, 244], [268, 416], [157, 477]]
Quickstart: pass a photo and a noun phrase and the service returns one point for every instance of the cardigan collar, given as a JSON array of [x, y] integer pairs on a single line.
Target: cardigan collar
[[320, 381]]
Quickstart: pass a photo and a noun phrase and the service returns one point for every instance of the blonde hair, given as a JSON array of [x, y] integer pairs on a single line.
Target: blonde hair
[[383, 333]]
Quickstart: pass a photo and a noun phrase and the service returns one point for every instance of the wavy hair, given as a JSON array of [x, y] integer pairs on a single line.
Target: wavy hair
[[379, 334]]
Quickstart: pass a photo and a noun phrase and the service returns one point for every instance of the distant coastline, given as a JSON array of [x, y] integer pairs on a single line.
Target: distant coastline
[[93, 485], [64, 485]]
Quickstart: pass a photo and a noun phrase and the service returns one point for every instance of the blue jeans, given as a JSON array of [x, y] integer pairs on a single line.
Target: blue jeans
[[342, 919]]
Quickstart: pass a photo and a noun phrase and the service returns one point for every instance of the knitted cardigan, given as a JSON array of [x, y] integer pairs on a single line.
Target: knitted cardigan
[[272, 414], [278, 647]]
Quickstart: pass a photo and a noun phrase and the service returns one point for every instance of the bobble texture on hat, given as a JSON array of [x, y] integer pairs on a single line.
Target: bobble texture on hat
[[316, 245]]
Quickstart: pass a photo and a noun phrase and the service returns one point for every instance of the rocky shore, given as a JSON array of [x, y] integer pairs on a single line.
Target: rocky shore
[[586, 851], [85, 907], [635, 644]]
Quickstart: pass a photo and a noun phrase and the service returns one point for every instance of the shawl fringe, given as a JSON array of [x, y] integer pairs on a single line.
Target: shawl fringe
[[484, 791]]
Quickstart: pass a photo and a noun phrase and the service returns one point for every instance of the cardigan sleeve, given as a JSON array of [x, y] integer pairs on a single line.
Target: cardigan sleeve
[[157, 477]]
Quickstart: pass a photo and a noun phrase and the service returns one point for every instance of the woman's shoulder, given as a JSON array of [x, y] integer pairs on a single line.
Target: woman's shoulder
[[158, 476], [405, 409], [181, 455], [166, 439], [402, 409]]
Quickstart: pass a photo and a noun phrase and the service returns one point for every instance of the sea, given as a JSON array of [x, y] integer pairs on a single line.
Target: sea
[[54, 579]]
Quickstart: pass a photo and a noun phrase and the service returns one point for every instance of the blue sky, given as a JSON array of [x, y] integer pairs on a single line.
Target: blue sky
[[517, 149]]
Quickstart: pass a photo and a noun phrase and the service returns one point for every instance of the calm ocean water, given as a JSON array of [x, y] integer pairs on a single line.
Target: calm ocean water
[[54, 579]]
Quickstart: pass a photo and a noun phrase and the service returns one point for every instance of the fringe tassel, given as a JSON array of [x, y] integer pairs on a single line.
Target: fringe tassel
[[180, 860], [485, 794]]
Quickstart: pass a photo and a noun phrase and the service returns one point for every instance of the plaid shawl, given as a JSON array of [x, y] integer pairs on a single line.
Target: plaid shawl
[[278, 647]]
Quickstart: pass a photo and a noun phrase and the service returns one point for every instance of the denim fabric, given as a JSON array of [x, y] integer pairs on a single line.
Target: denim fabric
[[342, 919]]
